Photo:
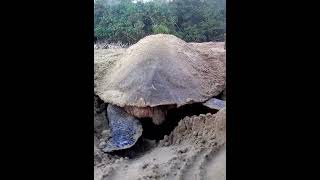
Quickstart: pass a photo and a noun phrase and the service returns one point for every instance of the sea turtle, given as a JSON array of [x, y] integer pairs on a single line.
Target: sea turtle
[[157, 73]]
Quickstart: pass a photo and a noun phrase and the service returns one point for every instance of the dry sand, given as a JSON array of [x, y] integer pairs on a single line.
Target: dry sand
[[194, 150]]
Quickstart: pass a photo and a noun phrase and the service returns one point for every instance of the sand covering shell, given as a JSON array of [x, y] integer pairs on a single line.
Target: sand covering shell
[[160, 70]]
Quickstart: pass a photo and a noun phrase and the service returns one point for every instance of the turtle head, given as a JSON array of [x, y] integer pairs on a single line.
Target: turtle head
[[157, 114]]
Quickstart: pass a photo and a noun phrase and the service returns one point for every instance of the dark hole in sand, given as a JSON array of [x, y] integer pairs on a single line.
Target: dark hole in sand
[[153, 133], [220, 96]]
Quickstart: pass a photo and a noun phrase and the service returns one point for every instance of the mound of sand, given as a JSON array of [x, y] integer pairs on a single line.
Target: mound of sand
[[104, 59], [100, 119], [211, 50], [198, 130]]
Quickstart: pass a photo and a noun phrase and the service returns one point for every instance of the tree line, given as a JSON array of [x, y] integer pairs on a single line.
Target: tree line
[[127, 22]]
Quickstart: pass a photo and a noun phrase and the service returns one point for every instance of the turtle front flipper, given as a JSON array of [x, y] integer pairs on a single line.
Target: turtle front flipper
[[215, 103], [125, 129]]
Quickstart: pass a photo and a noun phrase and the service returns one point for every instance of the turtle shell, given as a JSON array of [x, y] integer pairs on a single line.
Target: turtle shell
[[161, 70]]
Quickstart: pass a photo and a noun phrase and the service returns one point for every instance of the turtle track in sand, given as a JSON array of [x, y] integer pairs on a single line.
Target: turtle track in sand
[[193, 150], [214, 166], [205, 135]]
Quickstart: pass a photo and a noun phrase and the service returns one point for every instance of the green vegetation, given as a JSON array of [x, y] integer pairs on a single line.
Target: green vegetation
[[127, 22]]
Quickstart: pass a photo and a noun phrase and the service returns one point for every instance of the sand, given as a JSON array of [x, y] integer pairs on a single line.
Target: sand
[[194, 150]]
